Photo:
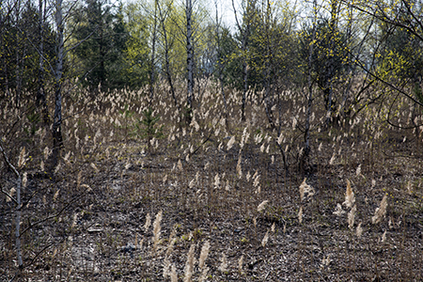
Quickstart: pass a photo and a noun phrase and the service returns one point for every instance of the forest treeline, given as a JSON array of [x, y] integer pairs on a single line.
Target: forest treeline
[[340, 50]]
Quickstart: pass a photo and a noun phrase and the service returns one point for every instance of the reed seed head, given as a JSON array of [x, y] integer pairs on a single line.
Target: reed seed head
[[380, 211], [349, 195]]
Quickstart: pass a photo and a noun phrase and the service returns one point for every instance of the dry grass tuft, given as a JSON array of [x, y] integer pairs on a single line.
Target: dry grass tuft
[[223, 267], [306, 189], [349, 196], [380, 211], [265, 239], [300, 215], [351, 217], [189, 265], [204, 253], [157, 229], [261, 207], [225, 205], [338, 211], [359, 230]]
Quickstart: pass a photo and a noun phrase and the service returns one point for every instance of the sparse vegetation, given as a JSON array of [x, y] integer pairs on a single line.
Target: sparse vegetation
[[212, 202], [148, 141]]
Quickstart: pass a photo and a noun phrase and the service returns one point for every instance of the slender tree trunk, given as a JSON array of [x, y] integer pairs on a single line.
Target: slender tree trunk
[[267, 70], [330, 61], [18, 211], [167, 60], [245, 76], [41, 95], [306, 152], [245, 35], [190, 61], [153, 53], [17, 57], [57, 118], [219, 61]]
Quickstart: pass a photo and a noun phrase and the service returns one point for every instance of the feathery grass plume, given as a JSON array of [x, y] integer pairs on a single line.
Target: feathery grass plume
[[351, 217], [128, 165], [358, 171], [383, 237], [332, 159], [22, 158], [306, 189], [272, 228], [147, 222], [227, 186], [256, 178], [172, 241], [262, 205], [204, 253], [94, 167], [157, 228], [338, 211], [75, 218], [66, 158], [255, 222], [56, 195], [258, 138], [189, 265], [58, 167], [359, 230], [217, 181], [240, 263], [191, 183], [294, 123], [24, 179], [265, 239], [42, 166], [173, 275], [46, 153], [166, 267], [223, 267], [179, 166], [409, 187], [258, 190], [380, 211], [204, 273], [280, 139], [238, 167], [244, 138], [78, 179], [349, 196], [11, 193], [300, 215], [231, 142]]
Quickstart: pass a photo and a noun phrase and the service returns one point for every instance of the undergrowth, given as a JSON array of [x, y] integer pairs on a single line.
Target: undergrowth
[[139, 195]]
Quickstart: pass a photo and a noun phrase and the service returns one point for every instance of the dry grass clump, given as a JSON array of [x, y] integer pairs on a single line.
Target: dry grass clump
[[349, 196], [157, 229], [306, 189], [380, 211], [219, 183]]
